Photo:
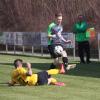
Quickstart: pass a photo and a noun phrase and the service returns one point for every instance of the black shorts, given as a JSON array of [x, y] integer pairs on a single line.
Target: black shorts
[[51, 51], [43, 78]]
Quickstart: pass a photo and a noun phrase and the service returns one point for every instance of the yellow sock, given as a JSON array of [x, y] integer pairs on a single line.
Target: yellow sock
[[53, 80], [53, 71]]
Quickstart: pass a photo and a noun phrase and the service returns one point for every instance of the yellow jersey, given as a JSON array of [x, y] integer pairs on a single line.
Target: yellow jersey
[[19, 75]]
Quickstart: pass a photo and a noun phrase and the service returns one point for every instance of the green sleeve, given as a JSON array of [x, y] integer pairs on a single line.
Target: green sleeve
[[49, 31]]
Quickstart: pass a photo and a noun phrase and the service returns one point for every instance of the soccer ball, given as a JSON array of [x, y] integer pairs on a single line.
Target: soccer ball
[[58, 50]]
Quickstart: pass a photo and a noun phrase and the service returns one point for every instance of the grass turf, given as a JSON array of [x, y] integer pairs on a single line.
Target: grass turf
[[82, 83]]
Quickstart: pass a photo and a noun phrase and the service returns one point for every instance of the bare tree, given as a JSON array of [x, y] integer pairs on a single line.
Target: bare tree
[[35, 15]]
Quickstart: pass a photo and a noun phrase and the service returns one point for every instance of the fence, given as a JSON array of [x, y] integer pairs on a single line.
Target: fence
[[36, 42]]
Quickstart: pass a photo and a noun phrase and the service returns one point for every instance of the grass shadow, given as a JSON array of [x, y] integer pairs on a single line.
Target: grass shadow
[[8, 64], [38, 66], [30, 56], [86, 70]]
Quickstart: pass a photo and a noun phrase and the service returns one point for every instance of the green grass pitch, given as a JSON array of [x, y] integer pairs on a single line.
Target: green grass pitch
[[82, 83]]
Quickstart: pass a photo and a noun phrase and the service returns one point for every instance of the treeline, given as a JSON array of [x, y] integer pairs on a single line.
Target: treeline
[[35, 15]]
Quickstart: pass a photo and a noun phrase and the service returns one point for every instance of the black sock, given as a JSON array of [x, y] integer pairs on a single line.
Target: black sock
[[52, 66], [65, 61]]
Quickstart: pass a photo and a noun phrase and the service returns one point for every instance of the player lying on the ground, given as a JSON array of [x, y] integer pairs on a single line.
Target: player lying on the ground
[[25, 77]]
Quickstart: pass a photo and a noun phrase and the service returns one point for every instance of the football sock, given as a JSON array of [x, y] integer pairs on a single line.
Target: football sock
[[52, 66], [65, 61]]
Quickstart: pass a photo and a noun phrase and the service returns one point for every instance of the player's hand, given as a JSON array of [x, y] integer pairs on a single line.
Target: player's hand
[[69, 41], [29, 72], [28, 65], [52, 36], [10, 83]]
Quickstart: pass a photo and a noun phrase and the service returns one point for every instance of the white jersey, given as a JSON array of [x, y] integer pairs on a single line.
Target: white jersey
[[57, 31]]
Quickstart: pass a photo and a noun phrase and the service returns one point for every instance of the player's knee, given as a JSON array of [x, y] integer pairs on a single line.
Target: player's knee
[[64, 54]]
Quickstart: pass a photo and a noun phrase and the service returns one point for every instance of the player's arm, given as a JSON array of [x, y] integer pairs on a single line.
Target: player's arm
[[13, 80], [29, 72], [62, 38], [50, 36], [11, 83]]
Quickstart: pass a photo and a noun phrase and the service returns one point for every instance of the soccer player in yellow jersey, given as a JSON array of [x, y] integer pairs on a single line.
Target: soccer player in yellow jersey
[[23, 76]]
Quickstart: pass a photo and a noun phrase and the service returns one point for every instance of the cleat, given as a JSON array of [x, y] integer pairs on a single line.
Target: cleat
[[71, 66], [60, 84]]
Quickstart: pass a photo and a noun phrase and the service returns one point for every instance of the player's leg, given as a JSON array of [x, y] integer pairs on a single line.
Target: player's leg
[[45, 78], [59, 70], [81, 52], [56, 62], [53, 56], [65, 62], [87, 50], [65, 59], [53, 81], [53, 71]]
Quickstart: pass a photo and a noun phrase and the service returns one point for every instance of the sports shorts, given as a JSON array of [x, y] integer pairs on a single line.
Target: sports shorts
[[43, 78], [51, 49]]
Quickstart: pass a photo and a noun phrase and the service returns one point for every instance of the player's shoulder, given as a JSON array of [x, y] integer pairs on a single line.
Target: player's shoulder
[[52, 24]]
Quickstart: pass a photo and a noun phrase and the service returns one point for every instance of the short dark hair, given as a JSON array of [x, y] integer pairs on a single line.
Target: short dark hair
[[16, 62], [58, 14]]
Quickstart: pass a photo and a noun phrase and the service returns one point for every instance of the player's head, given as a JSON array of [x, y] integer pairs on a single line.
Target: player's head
[[80, 17], [18, 63], [58, 17]]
